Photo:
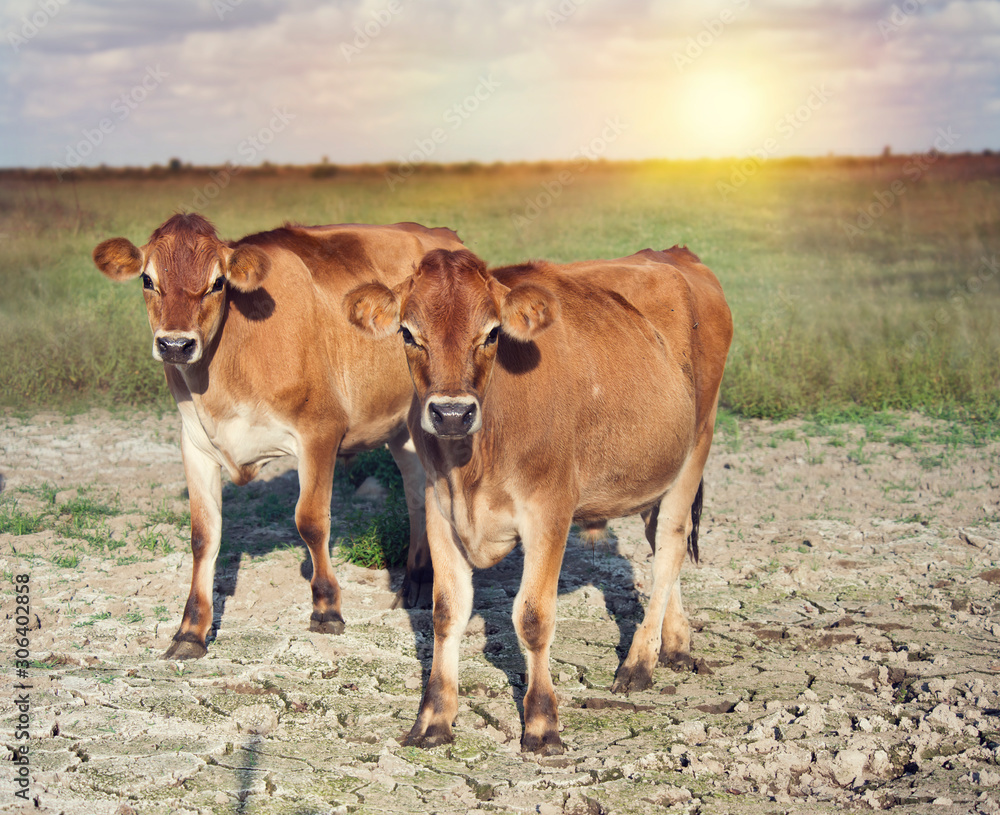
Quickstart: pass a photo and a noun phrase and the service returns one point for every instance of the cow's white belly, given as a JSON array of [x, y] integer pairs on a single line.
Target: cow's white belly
[[242, 441]]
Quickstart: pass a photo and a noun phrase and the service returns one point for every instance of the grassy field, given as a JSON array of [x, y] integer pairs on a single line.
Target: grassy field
[[855, 285]]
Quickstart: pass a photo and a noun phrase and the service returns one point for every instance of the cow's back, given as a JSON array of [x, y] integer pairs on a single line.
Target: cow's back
[[340, 256], [624, 378], [678, 294]]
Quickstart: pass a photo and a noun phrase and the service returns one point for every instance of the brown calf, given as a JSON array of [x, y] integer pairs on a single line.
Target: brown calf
[[546, 395], [262, 364]]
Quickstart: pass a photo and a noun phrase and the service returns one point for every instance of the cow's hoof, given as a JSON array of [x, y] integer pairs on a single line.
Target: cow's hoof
[[417, 593], [630, 680], [185, 646], [433, 736], [329, 622], [677, 661], [548, 744]]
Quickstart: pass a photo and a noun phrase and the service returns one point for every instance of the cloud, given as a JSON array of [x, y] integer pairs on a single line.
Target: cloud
[[368, 79]]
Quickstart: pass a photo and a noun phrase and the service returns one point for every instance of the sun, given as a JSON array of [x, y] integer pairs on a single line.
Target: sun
[[723, 113]]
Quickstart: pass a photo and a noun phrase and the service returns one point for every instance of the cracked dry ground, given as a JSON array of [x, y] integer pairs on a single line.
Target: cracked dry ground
[[847, 642]]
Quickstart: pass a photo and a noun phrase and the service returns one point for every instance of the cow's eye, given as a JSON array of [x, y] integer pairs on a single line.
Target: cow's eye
[[492, 337], [218, 285], [407, 336], [147, 282]]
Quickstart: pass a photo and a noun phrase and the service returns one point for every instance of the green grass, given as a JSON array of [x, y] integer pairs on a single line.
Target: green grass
[[164, 515], [902, 315], [67, 560], [14, 521], [378, 540], [378, 463], [94, 618], [150, 542], [84, 518], [86, 509], [82, 524], [44, 492]]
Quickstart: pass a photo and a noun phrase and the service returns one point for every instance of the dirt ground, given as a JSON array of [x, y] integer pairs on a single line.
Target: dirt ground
[[847, 642]]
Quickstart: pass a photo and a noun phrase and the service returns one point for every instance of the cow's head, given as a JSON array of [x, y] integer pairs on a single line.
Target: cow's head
[[185, 270], [451, 314]]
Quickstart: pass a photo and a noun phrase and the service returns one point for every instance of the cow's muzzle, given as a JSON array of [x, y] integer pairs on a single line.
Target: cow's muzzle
[[452, 417], [177, 349]]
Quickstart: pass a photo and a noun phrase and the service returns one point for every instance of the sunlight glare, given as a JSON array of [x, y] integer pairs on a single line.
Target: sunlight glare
[[725, 110]]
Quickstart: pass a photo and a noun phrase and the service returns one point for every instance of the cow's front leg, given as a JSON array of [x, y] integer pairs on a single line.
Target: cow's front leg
[[535, 623], [417, 590], [312, 518], [452, 608], [204, 482]]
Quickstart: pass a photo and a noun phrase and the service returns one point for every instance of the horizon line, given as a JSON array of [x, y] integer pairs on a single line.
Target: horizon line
[[175, 165]]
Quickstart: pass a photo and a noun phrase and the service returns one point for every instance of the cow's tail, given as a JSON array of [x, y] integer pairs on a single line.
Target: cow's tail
[[695, 520]]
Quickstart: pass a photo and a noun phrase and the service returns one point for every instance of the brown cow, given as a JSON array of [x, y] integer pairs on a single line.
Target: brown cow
[[262, 364], [546, 395]]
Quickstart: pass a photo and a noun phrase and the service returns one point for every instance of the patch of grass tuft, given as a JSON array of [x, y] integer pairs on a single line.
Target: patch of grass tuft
[[379, 541], [93, 618], [67, 560], [378, 463], [149, 541], [164, 515], [14, 521]]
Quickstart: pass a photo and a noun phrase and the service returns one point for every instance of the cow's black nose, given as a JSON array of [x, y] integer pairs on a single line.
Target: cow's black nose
[[175, 349], [452, 418]]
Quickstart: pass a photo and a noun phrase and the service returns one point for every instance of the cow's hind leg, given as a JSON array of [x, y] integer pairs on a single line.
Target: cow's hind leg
[[675, 635], [665, 630], [417, 590], [312, 517]]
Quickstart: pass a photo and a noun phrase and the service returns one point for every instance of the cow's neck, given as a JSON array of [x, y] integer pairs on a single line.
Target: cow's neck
[[454, 460], [462, 491], [452, 456], [197, 377], [188, 381]]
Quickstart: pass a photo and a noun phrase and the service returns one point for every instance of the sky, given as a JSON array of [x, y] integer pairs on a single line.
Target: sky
[[90, 82]]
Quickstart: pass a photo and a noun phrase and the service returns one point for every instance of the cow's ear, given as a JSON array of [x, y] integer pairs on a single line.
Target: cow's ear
[[118, 259], [246, 267], [373, 308], [527, 310]]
